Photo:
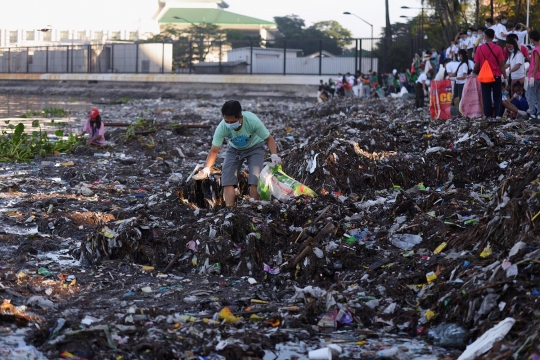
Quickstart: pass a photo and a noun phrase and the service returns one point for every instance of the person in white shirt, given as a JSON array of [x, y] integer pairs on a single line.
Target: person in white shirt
[[500, 30], [472, 39], [463, 70], [451, 69], [521, 31], [442, 71], [420, 90], [491, 25], [515, 65]]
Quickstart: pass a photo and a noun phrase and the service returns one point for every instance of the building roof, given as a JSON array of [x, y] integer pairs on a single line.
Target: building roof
[[210, 16]]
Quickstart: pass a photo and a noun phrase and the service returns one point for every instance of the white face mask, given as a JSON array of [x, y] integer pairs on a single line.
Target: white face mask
[[233, 126]]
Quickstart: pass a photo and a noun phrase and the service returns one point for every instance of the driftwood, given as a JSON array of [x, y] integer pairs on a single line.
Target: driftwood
[[186, 126], [306, 247]]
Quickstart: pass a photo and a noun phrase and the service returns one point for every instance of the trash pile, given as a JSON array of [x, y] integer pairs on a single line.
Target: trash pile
[[419, 244]]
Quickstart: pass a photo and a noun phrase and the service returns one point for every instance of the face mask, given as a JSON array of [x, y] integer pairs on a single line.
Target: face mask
[[511, 50], [505, 92], [469, 33], [233, 126], [486, 25], [503, 22]]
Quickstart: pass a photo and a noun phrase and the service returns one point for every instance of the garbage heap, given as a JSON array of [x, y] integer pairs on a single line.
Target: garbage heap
[[420, 229], [418, 223]]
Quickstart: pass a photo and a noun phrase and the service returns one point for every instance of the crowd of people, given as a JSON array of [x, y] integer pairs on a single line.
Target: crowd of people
[[514, 66]]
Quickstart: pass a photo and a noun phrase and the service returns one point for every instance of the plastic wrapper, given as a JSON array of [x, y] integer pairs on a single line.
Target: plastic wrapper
[[274, 182]]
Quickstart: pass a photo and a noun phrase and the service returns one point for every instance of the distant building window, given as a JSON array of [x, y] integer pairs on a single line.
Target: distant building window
[[47, 36], [98, 35], [81, 35], [133, 35], [30, 35], [115, 35], [13, 36], [64, 35]]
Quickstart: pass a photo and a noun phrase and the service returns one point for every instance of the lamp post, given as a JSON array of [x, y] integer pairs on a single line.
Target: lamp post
[[371, 51], [421, 23], [200, 33]]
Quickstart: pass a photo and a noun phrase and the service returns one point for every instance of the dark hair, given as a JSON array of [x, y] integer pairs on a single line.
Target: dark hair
[[490, 34], [514, 43], [232, 108], [471, 29], [512, 36], [516, 85], [465, 56], [517, 27], [489, 20], [447, 60], [534, 35], [96, 125]]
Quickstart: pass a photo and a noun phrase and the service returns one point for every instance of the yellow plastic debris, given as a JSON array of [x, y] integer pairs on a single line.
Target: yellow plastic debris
[[486, 252], [148, 268], [440, 248], [431, 276], [227, 315], [68, 163], [430, 315]]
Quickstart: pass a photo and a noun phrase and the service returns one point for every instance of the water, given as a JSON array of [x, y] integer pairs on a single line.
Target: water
[[14, 105]]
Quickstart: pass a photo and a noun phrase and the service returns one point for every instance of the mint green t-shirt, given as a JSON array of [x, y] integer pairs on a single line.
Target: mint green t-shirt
[[251, 133]]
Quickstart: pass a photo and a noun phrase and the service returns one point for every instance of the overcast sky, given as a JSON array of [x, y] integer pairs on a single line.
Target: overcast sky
[[312, 11]]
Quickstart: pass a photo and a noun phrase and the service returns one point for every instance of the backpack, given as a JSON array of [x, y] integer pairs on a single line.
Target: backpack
[[486, 73]]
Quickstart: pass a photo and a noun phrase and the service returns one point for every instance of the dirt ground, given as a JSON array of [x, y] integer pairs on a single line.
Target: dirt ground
[[417, 223]]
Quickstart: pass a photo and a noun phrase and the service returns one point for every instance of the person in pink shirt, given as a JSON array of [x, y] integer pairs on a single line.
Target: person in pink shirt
[[533, 94], [95, 128], [493, 54]]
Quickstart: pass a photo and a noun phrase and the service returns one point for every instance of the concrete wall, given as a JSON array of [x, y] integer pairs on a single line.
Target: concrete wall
[[151, 58], [167, 86]]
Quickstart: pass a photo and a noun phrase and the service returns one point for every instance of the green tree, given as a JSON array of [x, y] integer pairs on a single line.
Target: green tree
[[333, 30], [309, 40]]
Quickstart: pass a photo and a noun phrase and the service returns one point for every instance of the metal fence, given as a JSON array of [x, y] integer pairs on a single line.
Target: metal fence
[[282, 56]]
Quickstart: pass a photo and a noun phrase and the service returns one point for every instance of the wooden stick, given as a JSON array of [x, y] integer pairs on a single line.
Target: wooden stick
[[171, 264], [189, 126]]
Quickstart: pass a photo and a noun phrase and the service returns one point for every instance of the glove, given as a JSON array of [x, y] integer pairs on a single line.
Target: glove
[[275, 159], [517, 96], [531, 82], [202, 174]]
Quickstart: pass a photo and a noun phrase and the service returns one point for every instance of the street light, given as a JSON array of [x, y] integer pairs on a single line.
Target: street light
[[200, 33], [421, 22], [371, 51]]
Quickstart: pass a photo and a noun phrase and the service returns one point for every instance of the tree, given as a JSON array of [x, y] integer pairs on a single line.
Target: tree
[[333, 30], [329, 34]]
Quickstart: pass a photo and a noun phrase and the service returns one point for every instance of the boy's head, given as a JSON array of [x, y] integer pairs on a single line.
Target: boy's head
[[489, 34], [489, 22], [517, 88], [231, 109], [534, 35]]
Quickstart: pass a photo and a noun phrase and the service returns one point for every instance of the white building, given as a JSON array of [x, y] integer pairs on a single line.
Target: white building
[[25, 23]]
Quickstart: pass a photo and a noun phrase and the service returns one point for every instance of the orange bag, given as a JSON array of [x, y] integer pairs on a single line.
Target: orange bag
[[486, 75]]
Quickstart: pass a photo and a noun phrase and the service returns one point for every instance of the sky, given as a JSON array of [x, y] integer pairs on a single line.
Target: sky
[[312, 11]]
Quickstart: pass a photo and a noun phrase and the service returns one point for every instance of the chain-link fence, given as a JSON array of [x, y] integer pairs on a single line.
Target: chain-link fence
[[281, 56]]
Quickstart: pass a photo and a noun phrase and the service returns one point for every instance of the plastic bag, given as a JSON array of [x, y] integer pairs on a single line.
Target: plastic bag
[[440, 99], [274, 182], [470, 104]]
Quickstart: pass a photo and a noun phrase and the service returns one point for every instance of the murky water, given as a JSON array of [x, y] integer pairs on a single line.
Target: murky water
[[16, 105]]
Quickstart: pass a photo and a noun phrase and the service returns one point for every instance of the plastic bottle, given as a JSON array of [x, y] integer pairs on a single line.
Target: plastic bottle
[[446, 334]]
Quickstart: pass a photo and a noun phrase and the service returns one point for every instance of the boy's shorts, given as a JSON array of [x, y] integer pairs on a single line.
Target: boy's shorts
[[234, 158]]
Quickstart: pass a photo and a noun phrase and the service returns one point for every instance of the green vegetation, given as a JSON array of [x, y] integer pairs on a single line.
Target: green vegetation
[[46, 112], [23, 147]]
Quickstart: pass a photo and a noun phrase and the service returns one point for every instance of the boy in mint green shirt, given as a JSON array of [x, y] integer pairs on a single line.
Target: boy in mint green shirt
[[246, 135]]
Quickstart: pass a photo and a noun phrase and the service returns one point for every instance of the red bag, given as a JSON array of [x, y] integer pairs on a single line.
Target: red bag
[[440, 99], [470, 104]]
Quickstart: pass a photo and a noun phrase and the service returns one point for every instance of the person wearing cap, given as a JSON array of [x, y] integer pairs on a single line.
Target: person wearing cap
[[246, 135], [95, 128]]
